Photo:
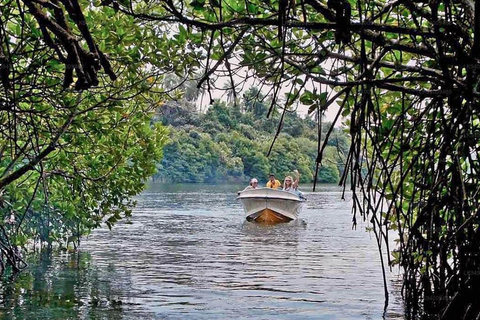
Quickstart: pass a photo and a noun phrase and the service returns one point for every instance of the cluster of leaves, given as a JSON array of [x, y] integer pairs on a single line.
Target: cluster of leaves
[[71, 160], [230, 143]]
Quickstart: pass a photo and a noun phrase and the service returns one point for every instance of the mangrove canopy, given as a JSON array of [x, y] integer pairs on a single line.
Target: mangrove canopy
[[404, 72]]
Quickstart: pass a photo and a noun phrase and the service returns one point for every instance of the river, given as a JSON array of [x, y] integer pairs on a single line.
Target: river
[[188, 253]]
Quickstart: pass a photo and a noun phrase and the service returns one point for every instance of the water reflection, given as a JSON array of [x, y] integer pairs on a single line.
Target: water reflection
[[188, 253], [65, 286]]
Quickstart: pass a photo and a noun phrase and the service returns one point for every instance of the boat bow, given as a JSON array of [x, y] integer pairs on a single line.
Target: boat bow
[[269, 205]]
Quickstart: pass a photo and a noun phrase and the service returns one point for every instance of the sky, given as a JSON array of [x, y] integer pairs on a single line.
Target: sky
[[302, 110]]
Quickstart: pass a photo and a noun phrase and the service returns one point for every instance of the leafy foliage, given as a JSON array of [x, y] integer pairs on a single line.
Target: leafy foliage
[[71, 159], [226, 144]]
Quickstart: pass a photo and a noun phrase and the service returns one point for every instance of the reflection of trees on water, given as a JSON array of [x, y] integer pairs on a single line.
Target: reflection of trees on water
[[64, 286]]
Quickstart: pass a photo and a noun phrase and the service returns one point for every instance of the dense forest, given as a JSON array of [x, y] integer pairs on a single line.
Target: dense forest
[[230, 141]]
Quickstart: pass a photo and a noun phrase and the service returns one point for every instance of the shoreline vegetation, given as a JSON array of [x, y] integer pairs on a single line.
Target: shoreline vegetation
[[229, 143]]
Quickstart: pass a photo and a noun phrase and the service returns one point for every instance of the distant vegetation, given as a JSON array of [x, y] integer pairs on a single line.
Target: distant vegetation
[[229, 143]]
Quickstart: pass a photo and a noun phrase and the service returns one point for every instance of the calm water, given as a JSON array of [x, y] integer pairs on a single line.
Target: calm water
[[188, 253]]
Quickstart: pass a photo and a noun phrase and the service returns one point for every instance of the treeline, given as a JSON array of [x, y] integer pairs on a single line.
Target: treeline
[[229, 143]]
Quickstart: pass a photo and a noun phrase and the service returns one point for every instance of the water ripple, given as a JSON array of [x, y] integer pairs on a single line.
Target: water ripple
[[190, 253]]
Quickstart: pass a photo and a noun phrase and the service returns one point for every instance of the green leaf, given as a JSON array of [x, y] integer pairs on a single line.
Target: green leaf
[[198, 4]]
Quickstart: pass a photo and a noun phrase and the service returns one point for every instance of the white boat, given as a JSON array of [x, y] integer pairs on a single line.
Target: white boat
[[268, 205]]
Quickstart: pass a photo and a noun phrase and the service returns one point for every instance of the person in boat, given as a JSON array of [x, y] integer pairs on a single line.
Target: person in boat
[[272, 182], [253, 185], [291, 185]]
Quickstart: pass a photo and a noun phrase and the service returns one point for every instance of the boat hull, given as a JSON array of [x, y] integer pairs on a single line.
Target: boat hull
[[270, 206]]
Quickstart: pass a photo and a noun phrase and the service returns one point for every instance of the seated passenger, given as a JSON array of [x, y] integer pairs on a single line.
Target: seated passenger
[[272, 182], [253, 185], [291, 185]]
